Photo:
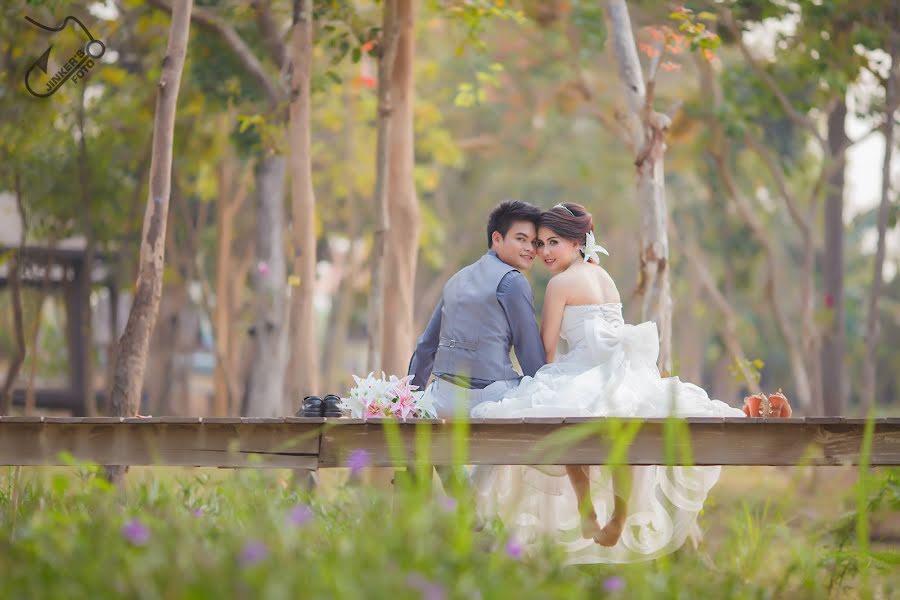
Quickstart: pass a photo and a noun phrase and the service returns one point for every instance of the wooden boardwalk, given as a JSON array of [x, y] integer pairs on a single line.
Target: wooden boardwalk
[[302, 443]]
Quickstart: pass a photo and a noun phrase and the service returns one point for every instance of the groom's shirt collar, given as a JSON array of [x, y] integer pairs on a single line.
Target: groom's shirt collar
[[493, 253]]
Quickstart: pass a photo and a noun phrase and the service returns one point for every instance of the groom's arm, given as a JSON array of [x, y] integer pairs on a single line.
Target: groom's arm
[[514, 295], [422, 360]]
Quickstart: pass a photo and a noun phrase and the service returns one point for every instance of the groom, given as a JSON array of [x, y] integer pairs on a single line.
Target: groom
[[485, 309]]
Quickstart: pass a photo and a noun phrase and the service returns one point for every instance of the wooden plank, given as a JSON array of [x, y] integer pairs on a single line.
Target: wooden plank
[[15, 419], [156, 443], [729, 441], [178, 420], [309, 443], [823, 420], [316, 420], [68, 420]]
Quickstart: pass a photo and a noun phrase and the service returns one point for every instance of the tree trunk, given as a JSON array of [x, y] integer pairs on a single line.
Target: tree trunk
[[303, 375], [234, 178], [160, 384], [239, 344], [892, 100], [832, 365], [389, 43], [341, 310], [721, 152], [690, 330], [339, 324], [131, 358], [729, 316], [15, 288], [179, 402], [403, 204], [270, 326], [84, 289], [647, 129], [225, 205], [30, 392]]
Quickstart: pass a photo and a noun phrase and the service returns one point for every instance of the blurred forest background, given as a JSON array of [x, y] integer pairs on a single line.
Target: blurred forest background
[[783, 247]]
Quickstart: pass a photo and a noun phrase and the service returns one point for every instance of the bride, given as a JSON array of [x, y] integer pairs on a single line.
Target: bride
[[609, 369]]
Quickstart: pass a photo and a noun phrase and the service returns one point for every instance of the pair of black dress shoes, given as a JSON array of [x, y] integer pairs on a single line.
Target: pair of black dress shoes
[[313, 406]]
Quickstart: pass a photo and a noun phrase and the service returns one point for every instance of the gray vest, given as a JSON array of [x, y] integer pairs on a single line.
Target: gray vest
[[475, 336]]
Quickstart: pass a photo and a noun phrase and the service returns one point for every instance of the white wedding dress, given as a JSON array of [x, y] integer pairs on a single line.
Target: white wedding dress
[[608, 370]]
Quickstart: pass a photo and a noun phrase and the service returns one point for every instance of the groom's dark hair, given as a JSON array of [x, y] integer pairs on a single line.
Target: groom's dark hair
[[507, 213]]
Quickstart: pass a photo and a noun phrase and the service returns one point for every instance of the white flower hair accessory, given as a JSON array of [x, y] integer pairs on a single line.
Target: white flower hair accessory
[[592, 248]]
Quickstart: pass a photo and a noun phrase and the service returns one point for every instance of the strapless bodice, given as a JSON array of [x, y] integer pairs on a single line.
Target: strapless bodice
[[576, 316]]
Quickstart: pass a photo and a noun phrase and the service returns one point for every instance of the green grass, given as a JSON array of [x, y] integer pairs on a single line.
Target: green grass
[[206, 533]]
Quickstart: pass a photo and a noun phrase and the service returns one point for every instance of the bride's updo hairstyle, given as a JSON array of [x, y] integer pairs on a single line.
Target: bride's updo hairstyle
[[569, 221]]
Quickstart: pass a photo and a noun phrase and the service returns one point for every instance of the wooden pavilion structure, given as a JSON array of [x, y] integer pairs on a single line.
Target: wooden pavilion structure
[[62, 269]]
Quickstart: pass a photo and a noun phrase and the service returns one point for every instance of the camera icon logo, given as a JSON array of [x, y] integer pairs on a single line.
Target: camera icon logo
[[73, 59]]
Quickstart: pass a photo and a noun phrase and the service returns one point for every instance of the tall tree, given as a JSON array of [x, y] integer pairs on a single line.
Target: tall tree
[[85, 327], [270, 326], [824, 41], [304, 361], [131, 357], [833, 336], [15, 280], [892, 101], [270, 321], [647, 130], [383, 149], [402, 240]]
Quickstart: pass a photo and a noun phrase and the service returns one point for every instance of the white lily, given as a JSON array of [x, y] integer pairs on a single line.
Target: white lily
[[426, 405], [592, 249]]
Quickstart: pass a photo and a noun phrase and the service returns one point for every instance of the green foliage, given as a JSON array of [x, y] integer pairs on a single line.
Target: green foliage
[[589, 19], [752, 367], [474, 16], [254, 533], [695, 30], [468, 94]]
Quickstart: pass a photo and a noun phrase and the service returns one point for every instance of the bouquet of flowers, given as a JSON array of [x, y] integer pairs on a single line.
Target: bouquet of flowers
[[387, 397]]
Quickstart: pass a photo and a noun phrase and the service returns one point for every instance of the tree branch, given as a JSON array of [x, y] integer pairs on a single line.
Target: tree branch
[[654, 67], [801, 119], [781, 183], [271, 36], [695, 257], [215, 24], [756, 227]]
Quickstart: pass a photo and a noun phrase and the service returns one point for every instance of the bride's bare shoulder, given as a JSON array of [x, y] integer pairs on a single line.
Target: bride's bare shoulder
[[562, 284], [610, 291]]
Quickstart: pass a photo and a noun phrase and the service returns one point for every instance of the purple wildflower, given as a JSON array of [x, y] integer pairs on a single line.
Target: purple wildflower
[[136, 532], [614, 584], [448, 503], [300, 515], [252, 553], [198, 512], [357, 461], [430, 590], [513, 549]]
